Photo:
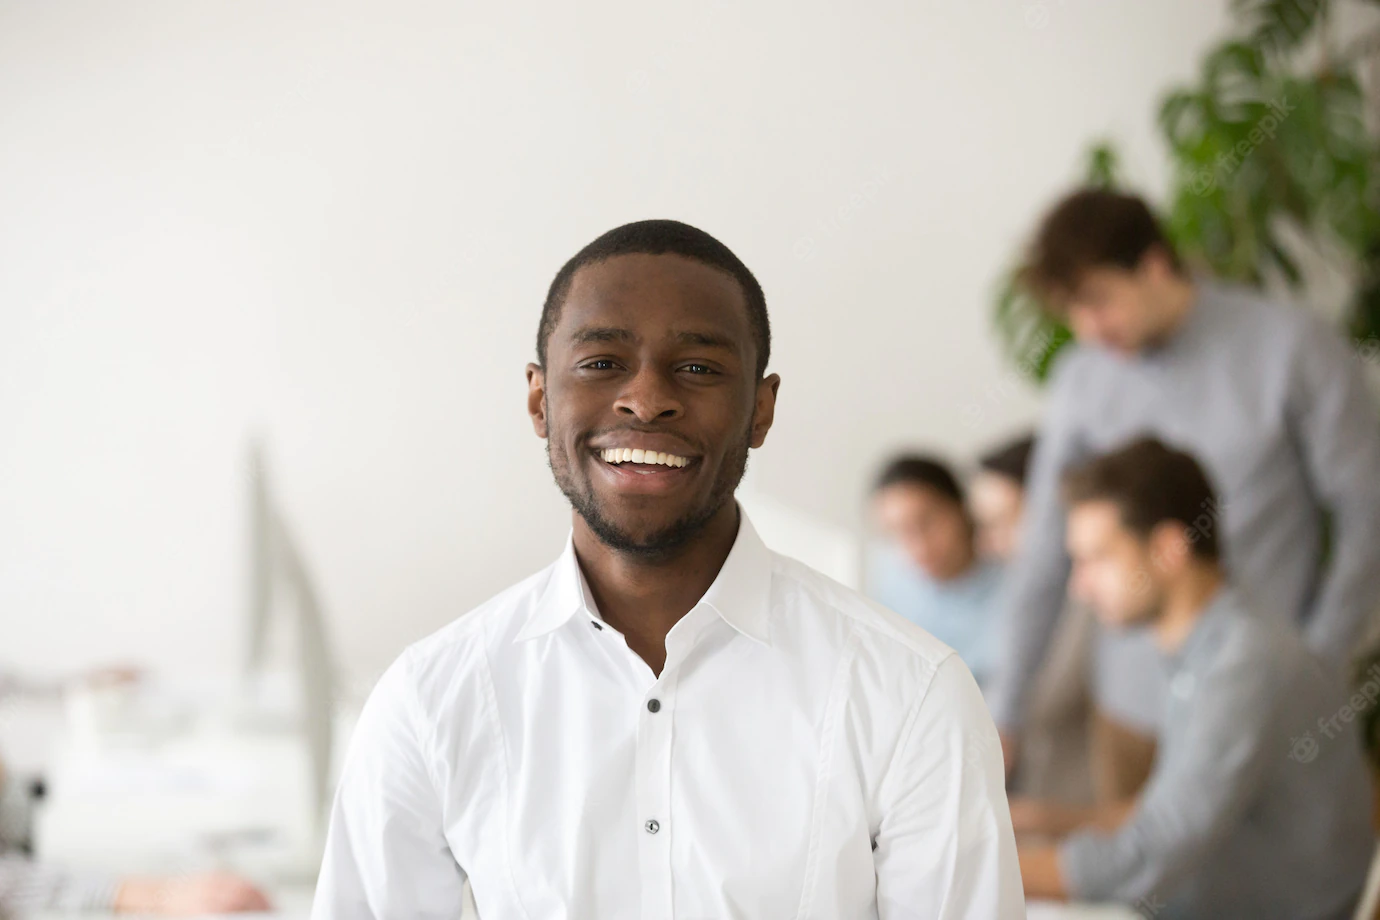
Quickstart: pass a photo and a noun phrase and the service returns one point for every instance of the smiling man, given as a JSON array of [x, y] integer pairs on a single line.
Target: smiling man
[[670, 721]]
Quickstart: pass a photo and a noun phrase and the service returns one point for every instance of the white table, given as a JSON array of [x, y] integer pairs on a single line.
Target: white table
[[295, 904]]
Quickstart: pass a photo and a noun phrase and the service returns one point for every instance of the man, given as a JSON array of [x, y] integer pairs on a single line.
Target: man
[[930, 570], [1246, 815], [1270, 399], [1054, 760], [670, 721]]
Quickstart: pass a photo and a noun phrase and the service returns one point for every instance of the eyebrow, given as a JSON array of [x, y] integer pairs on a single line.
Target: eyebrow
[[706, 340], [601, 334], [592, 334]]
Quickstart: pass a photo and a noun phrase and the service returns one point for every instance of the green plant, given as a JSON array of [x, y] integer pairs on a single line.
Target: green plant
[[1274, 165]]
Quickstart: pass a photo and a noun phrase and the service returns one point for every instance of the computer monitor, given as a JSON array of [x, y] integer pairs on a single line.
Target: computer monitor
[[280, 581]]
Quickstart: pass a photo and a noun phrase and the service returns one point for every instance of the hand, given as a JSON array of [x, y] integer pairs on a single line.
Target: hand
[[111, 676], [213, 893]]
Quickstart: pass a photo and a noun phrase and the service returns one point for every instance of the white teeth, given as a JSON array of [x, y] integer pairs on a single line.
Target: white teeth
[[640, 455]]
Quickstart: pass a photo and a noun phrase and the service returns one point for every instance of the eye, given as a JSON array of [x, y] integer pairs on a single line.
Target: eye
[[599, 364], [699, 369]]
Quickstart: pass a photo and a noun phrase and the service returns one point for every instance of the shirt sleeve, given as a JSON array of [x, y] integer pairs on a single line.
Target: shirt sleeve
[[1036, 582], [29, 887], [386, 851], [945, 849], [1200, 787], [1338, 429]]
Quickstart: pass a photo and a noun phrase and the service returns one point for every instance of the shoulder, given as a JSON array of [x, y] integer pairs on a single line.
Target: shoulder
[[810, 600], [1075, 365], [453, 663], [1249, 654], [1264, 322]]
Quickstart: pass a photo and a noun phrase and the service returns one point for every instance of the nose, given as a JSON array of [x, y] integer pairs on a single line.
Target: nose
[[649, 396]]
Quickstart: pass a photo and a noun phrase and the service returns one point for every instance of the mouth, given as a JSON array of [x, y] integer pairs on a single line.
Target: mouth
[[644, 470], [638, 457]]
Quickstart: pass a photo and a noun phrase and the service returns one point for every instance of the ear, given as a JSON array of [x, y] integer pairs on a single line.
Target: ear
[[1155, 263], [764, 411], [536, 398], [1170, 547]]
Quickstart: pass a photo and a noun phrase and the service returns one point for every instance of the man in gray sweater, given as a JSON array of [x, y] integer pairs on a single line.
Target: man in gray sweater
[[1265, 395], [1257, 806]]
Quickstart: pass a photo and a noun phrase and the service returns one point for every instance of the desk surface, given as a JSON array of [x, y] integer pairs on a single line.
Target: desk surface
[[295, 904]]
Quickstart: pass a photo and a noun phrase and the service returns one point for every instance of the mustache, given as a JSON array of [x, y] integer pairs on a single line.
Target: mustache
[[692, 443]]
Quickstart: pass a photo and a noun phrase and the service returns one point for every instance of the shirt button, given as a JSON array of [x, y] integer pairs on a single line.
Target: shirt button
[[652, 826], [653, 705], [596, 624]]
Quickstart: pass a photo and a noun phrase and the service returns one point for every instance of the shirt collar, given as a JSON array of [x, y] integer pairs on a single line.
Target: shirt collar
[[740, 594]]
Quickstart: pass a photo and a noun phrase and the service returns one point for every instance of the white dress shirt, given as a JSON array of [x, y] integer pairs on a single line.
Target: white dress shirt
[[804, 753]]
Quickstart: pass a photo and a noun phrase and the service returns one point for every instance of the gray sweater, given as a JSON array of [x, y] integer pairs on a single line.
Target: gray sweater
[[1260, 801], [1274, 404]]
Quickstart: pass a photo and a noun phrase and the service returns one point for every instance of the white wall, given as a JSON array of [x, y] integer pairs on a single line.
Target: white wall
[[335, 226]]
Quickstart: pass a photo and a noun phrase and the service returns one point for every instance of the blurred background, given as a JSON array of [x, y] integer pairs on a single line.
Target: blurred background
[[327, 231], [334, 229]]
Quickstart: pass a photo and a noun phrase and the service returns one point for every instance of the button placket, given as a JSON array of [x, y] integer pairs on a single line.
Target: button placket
[[654, 739]]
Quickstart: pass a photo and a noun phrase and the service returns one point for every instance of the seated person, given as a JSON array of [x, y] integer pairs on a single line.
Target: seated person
[[1246, 813], [930, 572], [996, 496], [1055, 753]]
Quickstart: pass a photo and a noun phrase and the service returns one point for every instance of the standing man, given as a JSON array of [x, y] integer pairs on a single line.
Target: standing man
[[1247, 814], [670, 721], [1272, 402]]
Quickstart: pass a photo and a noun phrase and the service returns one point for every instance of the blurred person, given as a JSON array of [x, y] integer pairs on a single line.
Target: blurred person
[[996, 496], [930, 571], [29, 887], [670, 720], [1272, 401], [1246, 814], [1055, 763]]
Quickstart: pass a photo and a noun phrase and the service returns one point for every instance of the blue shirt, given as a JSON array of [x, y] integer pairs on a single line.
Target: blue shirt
[[961, 612]]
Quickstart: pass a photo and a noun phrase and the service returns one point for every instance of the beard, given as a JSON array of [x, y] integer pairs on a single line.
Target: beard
[[659, 544]]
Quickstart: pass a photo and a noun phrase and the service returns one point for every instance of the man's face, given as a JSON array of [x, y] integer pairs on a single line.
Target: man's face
[[1113, 569], [652, 354], [929, 528], [1126, 311], [998, 503], [1113, 308]]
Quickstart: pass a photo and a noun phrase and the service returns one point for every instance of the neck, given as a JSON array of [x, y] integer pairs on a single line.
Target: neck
[[963, 565], [1179, 296], [1184, 604], [643, 598]]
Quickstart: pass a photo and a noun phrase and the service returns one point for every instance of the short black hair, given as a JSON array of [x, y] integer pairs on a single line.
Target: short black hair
[[1150, 483], [660, 237], [1011, 460], [920, 470]]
